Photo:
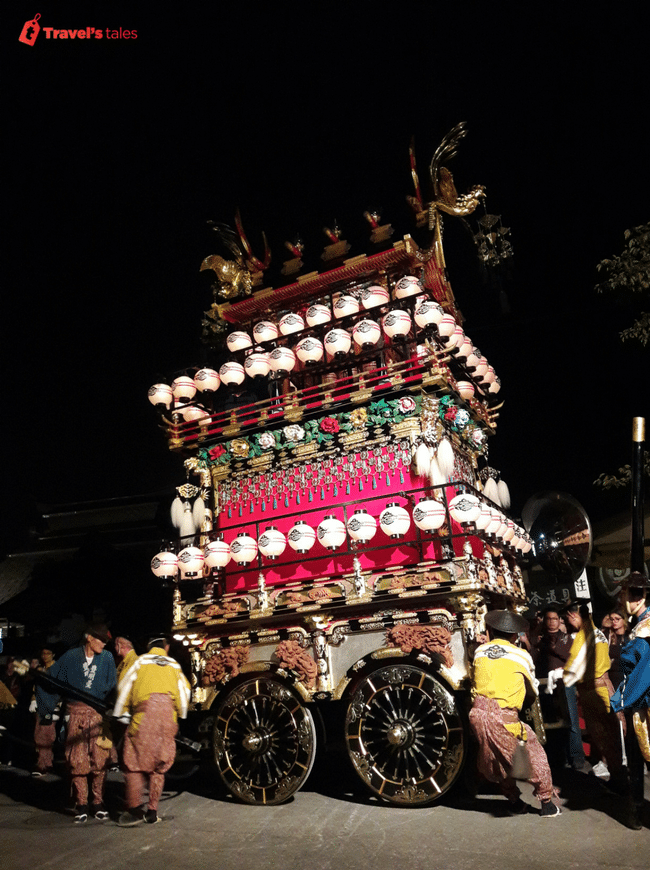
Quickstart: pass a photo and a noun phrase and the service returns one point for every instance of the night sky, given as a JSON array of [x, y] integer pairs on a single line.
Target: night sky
[[120, 150]]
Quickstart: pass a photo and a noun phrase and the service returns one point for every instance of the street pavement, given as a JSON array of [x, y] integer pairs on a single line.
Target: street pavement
[[332, 824]]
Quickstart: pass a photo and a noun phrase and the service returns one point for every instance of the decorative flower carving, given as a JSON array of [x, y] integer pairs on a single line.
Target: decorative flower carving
[[239, 447], [294, 433], [358, 418], [329, 424], [406, 405], [217, 451], [266, 440]]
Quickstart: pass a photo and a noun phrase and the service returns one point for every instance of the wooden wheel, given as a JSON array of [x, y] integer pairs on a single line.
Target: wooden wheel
[[264, 741], [405, 735]]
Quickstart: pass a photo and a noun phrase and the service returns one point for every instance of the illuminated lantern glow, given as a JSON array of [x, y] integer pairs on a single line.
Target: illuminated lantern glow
[[238, 341], [394, 520], [346, 305], [428, 313], [465, 507], [183, 389], [338, 341], [429, 514], [191, 413], [318, 314], [309, 350], [457, 338], [272, 543], [160, 394], [232, 373], [217, 554], [409, 285], [489, 374], [257, 364], [495, 386], [374, 295], [165, 565], [291, 323], [396, 323], [190, 562], [485, 517], [243, 549], [466, 389], [282, 360], [207, 380], [265, 330], [361, 526], [480, 366], [465, 348], [446, 327], [366, 333], [495, 522], [301, 537], [331, 532], [509, 533]]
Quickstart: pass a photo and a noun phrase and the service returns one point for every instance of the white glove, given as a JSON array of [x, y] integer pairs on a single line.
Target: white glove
[[554, 678]]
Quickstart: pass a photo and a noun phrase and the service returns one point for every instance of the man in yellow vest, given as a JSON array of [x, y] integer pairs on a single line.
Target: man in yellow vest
[[155, 693]]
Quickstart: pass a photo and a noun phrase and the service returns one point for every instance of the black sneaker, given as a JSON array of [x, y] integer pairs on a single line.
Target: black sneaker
[[518, 807], [100, 812], [151, 817], [81, 815], [130, 818], [549, 810]]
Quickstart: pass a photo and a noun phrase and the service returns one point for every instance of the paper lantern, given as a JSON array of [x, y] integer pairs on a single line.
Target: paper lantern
[[257, 364], [282, 360], [265, 330], [456, 338], [160, 394], [366, 333], [374, 295], [207, 380], [243, 549], [331, 532], [495, 386], [165, 565], [466, 389], [318, 314], [396, 323], [272, 543], [309, 350], [509, 533], [192, 413], [301, 537], [409, 285], [495, 522], [338, 341], [361, 526], [480, 366], [484, 519], [429, 514], [446, 328], [238, 341], [183, 389], [190, 562], [232, 373], [346, 305], [394, 520], [465, 507], [428, 313], [217, 554], [291, 323], [465, 348]]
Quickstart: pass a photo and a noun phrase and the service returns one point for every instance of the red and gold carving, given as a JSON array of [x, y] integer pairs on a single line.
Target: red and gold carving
[[426, 638], [293, 657], [225, 663]]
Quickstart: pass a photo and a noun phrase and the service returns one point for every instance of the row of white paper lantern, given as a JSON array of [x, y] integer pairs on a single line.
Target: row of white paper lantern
[[394, 521]]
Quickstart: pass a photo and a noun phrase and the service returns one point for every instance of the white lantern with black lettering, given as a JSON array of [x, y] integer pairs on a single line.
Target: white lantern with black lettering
[[331, 532], [361, 526], [346, 305], [409, 285], [183, 389], [232, 373], [165, 565], [257, 364], [428, 313], [338, 342], [318, 314], [282, 360], [238, 341], [190, 562], [161, 395], [301, 537], [243, 549], [217, 554], [207, 381], [291, 323], [429, 514], [465, 507], [366, 333], [272, 543], [394, 520], [374, 295], [265, 330], [397, 323], [309, 350]]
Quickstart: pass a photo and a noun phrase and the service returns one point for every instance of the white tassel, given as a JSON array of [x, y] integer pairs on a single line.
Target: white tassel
[[504, 494], [177, 512], [491, 490], [188, 529], [198, 512], [445, 458], [422, 460], [436, 476]]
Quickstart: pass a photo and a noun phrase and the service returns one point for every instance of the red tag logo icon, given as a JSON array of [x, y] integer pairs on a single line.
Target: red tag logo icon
[[30, 30]]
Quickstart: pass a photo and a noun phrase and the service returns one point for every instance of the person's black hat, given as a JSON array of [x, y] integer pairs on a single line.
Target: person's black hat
[[634, 580], [506, 621], [575, 604], [99, 630]]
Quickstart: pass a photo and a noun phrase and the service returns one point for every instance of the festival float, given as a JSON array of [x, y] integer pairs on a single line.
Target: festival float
[[340, 532]]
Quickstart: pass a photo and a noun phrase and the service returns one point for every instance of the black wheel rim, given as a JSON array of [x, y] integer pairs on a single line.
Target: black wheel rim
[[264, 741], [405, 736]]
